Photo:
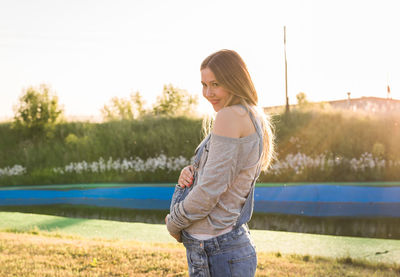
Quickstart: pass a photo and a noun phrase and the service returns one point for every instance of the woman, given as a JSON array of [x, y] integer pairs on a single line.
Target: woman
[[213, 200]]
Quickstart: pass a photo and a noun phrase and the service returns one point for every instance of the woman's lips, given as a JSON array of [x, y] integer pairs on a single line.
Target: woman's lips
[[214, 102]]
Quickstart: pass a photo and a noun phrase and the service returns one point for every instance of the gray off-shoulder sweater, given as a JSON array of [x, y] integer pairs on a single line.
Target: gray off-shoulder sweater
[[225, 175]]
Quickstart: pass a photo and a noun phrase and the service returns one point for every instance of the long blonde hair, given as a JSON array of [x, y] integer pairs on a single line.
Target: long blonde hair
[[231, 73]]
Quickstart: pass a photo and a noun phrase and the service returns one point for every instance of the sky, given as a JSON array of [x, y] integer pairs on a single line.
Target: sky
[[89, 51]]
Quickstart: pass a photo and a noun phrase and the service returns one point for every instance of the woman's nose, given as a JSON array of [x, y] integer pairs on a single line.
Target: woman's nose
[[208, 92]]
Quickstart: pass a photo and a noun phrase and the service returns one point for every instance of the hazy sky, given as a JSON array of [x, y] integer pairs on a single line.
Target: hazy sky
[[90, 51]]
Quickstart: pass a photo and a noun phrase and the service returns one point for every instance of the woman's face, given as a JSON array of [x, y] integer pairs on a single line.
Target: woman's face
[[212, 90]]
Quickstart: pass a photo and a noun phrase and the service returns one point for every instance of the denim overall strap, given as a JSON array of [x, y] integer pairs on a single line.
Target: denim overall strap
[[181, 193], [247, 210], [199, 151]]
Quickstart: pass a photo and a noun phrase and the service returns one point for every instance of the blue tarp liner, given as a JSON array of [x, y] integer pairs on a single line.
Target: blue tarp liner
[[309, 200]]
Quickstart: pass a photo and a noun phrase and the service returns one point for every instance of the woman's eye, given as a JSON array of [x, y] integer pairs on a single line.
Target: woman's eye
[[204, 85], [215, 84]]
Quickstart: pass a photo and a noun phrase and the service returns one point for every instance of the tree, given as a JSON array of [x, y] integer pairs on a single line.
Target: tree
[[38, 109], [302, 99], [174, 102], [124, 108], [137, 100]]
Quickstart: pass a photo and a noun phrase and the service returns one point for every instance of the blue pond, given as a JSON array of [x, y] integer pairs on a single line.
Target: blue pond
[[309, 200]]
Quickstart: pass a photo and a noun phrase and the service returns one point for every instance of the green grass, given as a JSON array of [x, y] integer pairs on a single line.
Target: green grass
[[266, 241], [380, 227], [87, 186], [116, 185], [338, 135], [381, 184]]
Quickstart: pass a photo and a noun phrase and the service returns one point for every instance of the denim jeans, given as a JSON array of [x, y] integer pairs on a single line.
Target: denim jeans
[[231, 254]]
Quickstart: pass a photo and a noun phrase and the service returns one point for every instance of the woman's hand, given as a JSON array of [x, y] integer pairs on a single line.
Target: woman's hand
[[186, 177], [176, 236]]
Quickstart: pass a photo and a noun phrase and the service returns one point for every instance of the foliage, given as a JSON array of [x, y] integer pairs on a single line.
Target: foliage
[[175, 102], [172, 102], [312, 145], [315, 132], [82, 141], [301, 99], [124, 108], [38, 109]]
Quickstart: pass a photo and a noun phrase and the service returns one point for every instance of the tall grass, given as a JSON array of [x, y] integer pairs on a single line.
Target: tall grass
[[337, 136], [342, 134], [79, 141]]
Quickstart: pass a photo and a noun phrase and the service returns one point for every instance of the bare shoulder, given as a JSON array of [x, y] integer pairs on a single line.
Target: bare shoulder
[[233, 121], [227, 123], [239, 111]]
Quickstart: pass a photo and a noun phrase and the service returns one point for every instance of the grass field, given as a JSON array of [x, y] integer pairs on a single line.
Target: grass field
[[50, 254], [40, 245], [375, 250]]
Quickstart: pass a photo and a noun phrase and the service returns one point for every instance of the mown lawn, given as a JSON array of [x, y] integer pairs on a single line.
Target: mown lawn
[[50, 254], [375, 250], [39, 245]]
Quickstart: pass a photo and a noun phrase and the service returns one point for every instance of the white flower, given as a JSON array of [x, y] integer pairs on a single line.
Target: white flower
[[12, 171], [138, 165], [298, 162], [295, 163]]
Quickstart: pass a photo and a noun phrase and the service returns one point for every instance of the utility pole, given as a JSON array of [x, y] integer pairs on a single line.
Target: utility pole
[[286, 87], [388, 88]]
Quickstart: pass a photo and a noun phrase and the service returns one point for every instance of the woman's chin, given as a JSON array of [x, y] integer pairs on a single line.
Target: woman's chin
[[216, 107]]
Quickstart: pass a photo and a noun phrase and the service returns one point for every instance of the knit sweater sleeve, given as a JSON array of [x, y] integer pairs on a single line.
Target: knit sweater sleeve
[[217, 174]]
